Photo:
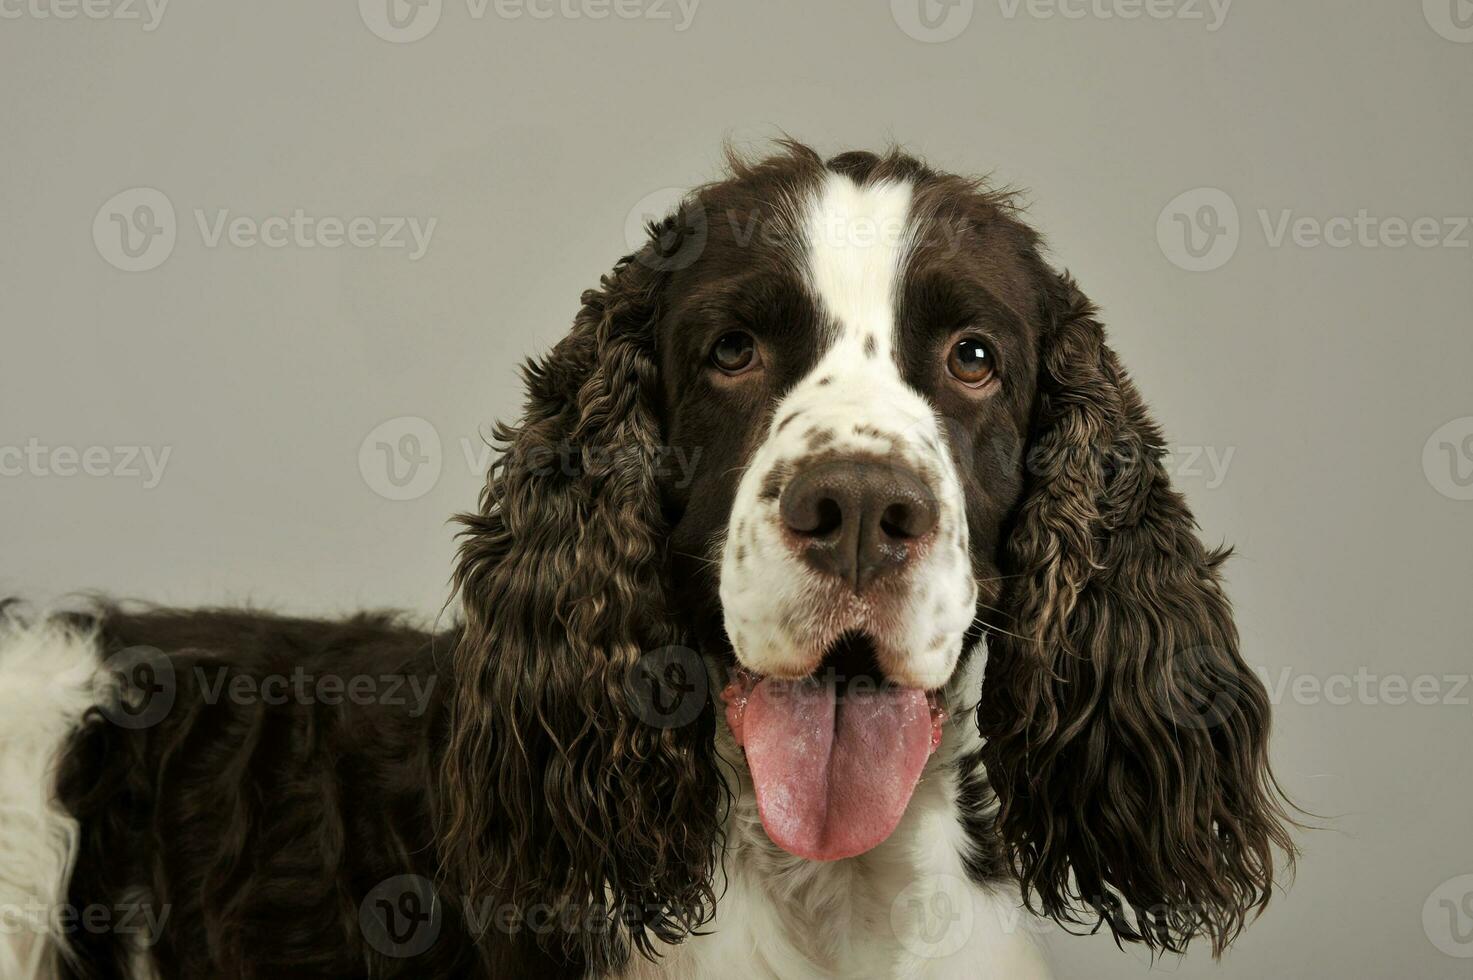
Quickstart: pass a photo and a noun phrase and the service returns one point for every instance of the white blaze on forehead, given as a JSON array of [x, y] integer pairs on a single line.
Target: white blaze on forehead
[[858, 239], [780, 614]]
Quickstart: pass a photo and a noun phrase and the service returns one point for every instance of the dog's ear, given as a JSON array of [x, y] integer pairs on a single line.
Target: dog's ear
[[562, 799], [1126, 739]]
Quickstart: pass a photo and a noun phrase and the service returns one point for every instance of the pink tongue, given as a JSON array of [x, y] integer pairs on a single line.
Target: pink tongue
[[833, 777]]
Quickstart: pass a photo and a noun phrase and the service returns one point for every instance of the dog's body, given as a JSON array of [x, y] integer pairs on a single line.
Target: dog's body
[[734, 725], [279, 870]]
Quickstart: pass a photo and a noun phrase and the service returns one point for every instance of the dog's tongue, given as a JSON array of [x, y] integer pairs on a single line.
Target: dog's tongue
[[834, 774]]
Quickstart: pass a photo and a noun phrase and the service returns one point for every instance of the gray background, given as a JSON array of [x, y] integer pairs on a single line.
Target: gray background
[[1325, 371]]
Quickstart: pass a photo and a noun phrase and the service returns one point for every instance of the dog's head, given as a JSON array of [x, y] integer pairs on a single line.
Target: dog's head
[[833, 425]]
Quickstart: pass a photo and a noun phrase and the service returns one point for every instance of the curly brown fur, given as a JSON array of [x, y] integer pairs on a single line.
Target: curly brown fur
[[1126, 737], [253, 830], [556, 793]]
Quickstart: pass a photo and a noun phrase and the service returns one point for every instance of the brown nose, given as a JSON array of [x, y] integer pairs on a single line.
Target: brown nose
[[857, 519]]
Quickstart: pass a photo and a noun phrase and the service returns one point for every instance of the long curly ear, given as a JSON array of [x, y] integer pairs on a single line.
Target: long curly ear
[[1125, 736], [559, 796]]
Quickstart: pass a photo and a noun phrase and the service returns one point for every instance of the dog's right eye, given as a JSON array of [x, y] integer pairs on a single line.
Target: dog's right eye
[[971, 362], [734, 352]]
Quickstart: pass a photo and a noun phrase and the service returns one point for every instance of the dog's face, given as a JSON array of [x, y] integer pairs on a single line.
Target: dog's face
[[833, 424], [853, 371], [847, 370]]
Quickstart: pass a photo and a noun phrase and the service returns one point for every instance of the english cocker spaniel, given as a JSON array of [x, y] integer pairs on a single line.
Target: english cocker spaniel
[[916, 637]]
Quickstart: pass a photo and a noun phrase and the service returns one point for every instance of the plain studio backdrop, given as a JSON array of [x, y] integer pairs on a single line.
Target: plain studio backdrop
[[267, 271]]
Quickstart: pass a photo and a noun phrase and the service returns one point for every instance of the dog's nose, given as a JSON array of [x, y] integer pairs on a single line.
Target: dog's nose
[[857, 519]]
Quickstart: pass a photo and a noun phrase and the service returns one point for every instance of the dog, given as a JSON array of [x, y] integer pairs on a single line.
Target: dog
[[917, 650]]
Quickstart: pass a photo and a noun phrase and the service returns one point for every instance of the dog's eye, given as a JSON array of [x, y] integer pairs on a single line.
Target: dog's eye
[[970, 362], [734, 352]]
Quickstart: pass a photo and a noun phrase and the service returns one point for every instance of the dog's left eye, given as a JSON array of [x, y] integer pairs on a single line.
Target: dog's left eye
[[734, 352], [970, 362]]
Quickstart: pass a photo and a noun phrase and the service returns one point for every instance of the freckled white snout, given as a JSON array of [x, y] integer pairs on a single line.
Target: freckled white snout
[[857, 519]]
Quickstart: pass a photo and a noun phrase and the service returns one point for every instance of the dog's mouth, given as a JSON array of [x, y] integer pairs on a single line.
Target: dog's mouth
[[836, 756]]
